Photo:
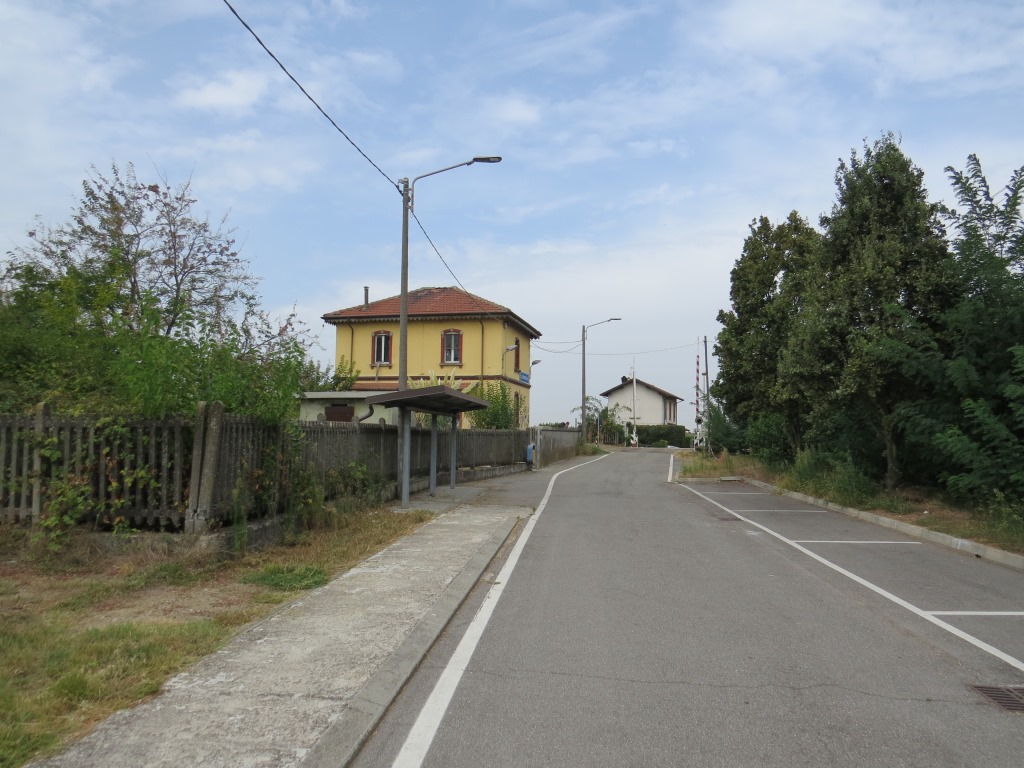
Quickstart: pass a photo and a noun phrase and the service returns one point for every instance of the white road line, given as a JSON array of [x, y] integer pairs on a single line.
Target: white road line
[[975, 613], [734, 493], [783, 510], [416, 745], [847, 541], [980, 644]]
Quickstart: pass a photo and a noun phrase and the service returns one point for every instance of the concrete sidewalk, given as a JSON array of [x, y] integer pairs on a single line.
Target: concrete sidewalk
[[304, 686]]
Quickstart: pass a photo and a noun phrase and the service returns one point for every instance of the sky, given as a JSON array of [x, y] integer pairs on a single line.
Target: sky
[[639, 140]]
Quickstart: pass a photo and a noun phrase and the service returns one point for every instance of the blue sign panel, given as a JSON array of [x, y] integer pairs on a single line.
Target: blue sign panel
[[524, 377]]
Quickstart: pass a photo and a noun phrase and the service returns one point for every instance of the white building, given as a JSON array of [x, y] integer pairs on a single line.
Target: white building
[[343, 406], [642, 403]]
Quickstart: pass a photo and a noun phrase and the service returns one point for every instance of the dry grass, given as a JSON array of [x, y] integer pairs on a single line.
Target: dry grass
[[693, 464], [87, 632]]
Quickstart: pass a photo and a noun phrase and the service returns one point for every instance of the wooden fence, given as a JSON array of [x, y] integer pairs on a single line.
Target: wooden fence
[[186, 474], [137, 472], [235, 453]]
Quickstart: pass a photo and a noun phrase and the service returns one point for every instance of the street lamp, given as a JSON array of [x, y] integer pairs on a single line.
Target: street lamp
[[510, 348], [583, 403], [408, 190]]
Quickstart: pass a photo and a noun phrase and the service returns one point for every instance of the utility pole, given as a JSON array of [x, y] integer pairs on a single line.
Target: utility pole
[[707, 397]]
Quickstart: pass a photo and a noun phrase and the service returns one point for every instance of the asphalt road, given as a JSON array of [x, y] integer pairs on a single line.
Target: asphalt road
[[647, 623]]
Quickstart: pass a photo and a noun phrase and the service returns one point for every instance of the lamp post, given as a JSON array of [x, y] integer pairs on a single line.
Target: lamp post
[[408, 191], [583, 402], [510, 348]]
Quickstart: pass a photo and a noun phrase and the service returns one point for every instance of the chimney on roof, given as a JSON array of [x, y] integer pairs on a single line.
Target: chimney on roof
[[366, 297], [625, 379]]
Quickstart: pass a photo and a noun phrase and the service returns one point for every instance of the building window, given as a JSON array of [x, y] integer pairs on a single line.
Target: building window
[[451, 347], [381, 348], [517, 368]]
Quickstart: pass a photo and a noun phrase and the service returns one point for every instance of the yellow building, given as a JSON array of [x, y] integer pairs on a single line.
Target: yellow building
[[455, 338]]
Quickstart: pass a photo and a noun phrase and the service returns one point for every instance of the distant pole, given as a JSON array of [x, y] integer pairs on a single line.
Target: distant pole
[[707, 397], [583, 399]]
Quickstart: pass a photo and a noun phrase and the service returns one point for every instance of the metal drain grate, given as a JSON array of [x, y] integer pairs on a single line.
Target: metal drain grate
[[1008, 697]]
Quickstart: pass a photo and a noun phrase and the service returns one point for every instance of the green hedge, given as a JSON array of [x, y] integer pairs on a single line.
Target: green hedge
[[670, 434]]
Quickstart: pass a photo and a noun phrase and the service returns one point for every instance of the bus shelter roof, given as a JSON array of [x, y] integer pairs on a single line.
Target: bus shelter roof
[[439, 400]]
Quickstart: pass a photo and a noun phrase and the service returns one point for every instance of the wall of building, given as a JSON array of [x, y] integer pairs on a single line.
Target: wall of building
[[650, 407], [483, 353]]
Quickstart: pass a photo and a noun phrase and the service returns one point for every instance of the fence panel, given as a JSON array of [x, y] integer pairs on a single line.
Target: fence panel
[[95, 469], [16, 436], [141, 472]]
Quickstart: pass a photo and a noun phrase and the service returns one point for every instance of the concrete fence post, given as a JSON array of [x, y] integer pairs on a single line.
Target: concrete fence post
[[196, 472], [213, 426]]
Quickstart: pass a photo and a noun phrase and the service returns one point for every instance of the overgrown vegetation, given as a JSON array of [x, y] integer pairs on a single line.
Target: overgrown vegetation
[[884, 347], [88, 633], [138, 306], [604, 424], [501, 413], [666, 434]]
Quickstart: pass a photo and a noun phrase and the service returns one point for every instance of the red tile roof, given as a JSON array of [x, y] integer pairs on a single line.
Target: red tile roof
[[430, 302], [375, 386]]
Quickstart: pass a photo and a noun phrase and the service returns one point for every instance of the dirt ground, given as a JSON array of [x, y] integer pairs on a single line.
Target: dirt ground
[[116, 589]]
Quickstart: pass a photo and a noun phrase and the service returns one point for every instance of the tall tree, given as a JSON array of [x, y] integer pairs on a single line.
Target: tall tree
[[979, 420], [145, 246], [767, 297], [137, 305], [883, 278]]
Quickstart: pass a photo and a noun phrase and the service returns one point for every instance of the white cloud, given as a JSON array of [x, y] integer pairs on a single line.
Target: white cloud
[[574, 42], [512, 109], [346, 9], [236, 91]]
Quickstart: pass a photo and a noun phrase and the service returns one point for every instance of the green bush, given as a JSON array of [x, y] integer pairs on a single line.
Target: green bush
[[835, 479], [666, 434], [767, 439]]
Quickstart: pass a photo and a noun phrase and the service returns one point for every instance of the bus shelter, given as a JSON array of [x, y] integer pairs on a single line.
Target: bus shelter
[[437, 401]]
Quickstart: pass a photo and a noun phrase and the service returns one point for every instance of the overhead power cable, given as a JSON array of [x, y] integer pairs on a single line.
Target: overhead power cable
[[349, 140], [572, 350], [306, 94]]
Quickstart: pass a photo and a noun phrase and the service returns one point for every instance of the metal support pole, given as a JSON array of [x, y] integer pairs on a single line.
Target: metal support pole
[[404, 421], [583, 400], [406, 453], [433, 454], [454, 458]]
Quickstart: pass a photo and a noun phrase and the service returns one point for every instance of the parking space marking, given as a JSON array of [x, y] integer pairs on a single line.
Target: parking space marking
[[736, 493], [784, 510], [930, 617], [848, 541]]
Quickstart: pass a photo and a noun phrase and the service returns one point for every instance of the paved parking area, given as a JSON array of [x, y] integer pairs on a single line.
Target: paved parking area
[[979, 602]]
